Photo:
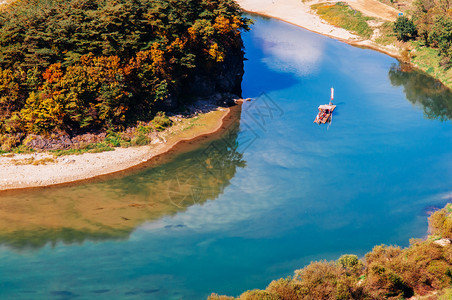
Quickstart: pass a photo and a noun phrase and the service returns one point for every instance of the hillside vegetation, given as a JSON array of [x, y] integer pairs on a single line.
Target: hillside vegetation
[[387, 272], [78, 65], [431, 29]]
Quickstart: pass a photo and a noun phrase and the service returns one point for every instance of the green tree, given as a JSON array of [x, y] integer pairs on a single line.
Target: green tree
[[405, 29], [441, 36]]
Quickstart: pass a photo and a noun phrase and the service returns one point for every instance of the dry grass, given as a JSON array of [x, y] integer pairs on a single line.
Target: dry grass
[[33, 161]]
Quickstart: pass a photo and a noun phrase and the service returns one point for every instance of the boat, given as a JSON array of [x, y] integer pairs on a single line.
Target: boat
[[325, 111]]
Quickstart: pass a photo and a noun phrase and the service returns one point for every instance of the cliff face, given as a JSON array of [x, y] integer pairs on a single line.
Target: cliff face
[[224, 77], [211, 79]]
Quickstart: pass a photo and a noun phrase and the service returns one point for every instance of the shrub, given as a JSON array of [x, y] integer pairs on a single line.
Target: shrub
[[113, 139], [285, 289], [441, 222], [140, 140], [258, 295], [319, 280], [214, 296], [350, 263], [161, 121], [8, 142]]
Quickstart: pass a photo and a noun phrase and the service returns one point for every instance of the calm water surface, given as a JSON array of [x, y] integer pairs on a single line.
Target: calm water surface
[[272, 194]]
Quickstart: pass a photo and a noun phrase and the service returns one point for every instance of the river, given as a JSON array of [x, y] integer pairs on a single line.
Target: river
[[271, 194]]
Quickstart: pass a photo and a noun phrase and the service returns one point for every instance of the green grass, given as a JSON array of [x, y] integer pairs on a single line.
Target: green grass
[[90, 148], [342, 15], [387, 36], [428, 59], [22, 149]]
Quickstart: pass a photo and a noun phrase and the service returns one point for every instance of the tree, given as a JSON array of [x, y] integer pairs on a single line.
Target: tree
[[405, 29], [441, 36]]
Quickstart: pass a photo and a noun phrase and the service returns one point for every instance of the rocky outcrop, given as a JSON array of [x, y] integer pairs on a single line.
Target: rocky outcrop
[[62, 141], [213, 79]]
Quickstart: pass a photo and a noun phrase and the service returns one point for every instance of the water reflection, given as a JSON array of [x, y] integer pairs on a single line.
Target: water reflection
[[422, 89], [111, 209], [290, 50]]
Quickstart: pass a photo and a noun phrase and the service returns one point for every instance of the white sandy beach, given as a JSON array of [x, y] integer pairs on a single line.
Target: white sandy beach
[[18, 171], [300, 13]]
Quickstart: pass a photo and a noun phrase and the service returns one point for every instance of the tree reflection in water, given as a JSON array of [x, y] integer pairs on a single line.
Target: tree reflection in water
[[112, 209], [424, 90]]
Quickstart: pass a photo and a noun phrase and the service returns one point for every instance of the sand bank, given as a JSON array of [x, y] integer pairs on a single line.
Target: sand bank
[[21, 171], [300, 13]]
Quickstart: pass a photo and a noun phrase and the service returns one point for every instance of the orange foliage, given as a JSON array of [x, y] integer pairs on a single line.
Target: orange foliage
[[53, 73]]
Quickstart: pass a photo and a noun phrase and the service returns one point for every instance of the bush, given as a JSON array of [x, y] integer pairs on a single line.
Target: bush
[[214, 296], [161, 121], [140, 140], [441, 222], [350, 263], [8, 142], [113, 139], [258, 295], [285, 289], [319, 280]]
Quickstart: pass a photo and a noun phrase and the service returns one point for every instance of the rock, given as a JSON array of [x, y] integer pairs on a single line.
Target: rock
[[58, 142], [443, 242]]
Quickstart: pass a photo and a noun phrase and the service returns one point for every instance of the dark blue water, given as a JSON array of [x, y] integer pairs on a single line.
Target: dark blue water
[[263, 200]]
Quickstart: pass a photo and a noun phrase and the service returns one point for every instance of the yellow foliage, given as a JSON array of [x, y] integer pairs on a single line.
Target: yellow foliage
[[156, 55], [215, 53], [40, 114], [222, 25], [177, 43], [192, 32], [9, 88]]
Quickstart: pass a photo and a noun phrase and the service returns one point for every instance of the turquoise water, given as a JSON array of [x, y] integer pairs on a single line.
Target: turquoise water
[[271, 195]]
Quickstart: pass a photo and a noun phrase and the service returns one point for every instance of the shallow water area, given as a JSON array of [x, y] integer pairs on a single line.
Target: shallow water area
[[273, 193]]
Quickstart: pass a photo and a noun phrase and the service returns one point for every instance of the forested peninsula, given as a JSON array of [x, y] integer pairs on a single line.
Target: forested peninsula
[[68, 67]]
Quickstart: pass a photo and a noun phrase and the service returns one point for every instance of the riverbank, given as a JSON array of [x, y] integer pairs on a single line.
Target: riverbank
[[20, 171], [300, 14]]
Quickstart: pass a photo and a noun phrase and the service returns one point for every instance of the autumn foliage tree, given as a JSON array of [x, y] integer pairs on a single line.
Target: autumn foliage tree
[[77, 65]]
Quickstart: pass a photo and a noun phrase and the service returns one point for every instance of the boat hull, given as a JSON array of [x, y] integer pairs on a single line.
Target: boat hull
[[323, 116]]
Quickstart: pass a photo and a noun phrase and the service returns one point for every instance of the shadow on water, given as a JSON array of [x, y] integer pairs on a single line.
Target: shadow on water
[[424, 90], [112, 209]]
